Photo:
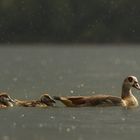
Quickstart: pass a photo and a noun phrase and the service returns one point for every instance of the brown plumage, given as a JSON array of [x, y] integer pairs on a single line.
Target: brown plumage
[[98, 100], [5, 100], [127, 99], [44, 101]]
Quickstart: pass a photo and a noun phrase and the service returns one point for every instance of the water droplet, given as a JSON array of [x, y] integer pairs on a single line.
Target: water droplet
[[71, 91], [82, 85], [22, 115], [5, 138], [52, 117], [123, 119], [60, 77], [80, 138], [40, 125], [14, 124], [73, 117], [15, 79], [68, 129], [26, 96], [23, 126]]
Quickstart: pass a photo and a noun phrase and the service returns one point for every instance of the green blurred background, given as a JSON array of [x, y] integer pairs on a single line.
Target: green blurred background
[[70, 21]]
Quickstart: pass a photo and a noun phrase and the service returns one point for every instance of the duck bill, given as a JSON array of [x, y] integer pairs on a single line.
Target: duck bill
[[137, 86]]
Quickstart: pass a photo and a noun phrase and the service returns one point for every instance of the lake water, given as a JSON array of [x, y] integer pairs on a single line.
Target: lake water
[[27, 72]]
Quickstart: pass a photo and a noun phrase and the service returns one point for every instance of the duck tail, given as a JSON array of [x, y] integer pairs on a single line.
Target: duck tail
[[56, 98]]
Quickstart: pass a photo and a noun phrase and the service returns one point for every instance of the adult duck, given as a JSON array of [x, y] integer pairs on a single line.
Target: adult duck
[[44, 101], [127, 99], [5, 100]]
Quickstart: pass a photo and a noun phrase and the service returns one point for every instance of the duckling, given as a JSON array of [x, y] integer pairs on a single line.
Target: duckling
[[127, 99], [5, 100], [44, 101]]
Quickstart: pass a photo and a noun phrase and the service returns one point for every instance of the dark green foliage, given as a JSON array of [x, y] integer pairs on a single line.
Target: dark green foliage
[[100, 21]]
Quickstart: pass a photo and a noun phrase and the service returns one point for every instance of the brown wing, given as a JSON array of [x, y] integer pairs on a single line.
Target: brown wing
[[99, 100], [104, 100], [77, 100]]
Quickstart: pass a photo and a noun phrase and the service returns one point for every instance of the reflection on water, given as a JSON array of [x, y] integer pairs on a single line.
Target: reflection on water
[[26, 72]]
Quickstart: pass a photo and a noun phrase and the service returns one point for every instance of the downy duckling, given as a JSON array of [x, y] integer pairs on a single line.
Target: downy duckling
[[44, 101], [127, 99], [5, 100]]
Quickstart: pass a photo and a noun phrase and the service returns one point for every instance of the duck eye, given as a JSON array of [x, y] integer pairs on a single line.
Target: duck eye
[[130, 79]]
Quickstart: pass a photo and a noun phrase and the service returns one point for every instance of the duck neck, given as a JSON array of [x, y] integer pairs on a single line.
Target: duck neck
[[126, 91]]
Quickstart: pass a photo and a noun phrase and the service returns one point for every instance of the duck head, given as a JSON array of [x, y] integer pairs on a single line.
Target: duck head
[[131, 81], [6, 100], [47, 99]]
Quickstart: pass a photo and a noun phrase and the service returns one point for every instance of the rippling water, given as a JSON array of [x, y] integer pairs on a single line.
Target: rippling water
[[26, 72]]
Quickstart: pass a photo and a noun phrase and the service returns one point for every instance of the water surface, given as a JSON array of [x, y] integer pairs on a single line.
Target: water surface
[[28, 71]]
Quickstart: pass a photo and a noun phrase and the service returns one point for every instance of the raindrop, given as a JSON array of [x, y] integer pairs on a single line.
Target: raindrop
[[15, 79], [60, 77], [73, 117], [22, 115], [80, 138], [14, 124], [123, 119], [26, 96], [71, 91], [68, 129], [40, 125], [5, 138], [52, 117], [81, 85]]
